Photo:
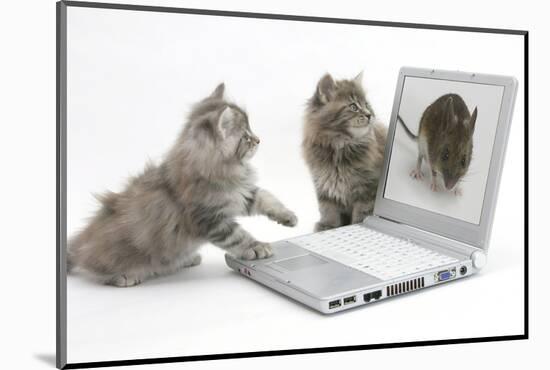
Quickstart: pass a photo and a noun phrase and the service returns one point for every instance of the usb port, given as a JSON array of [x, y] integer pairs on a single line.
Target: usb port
[[349, 300], [334, 304]]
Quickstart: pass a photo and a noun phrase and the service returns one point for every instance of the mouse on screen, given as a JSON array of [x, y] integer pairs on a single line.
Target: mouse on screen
[[445, 142]]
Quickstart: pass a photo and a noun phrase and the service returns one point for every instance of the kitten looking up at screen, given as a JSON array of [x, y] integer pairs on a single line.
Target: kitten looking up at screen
[[158, 222], [343, 146]]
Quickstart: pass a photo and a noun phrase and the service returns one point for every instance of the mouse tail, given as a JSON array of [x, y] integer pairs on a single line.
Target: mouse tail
[[409, 133]]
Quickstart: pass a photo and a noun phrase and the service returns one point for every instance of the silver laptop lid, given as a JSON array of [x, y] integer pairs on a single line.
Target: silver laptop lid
[[465, 123]]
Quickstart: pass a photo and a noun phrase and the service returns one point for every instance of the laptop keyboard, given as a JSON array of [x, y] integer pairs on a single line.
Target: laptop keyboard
[[383, 256]]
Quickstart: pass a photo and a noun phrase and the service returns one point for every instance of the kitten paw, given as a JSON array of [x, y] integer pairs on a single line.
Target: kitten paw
[[124, 281], [195, 260], [260, 250], [417, 174], [287, 218]]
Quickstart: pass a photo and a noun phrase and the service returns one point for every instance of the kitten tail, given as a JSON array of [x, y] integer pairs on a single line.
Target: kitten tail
[[70, 263], [71, 245]]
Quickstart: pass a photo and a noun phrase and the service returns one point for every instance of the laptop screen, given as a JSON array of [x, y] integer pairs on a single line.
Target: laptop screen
[[442, 146]]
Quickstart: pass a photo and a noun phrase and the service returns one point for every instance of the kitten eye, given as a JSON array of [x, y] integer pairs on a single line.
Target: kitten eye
[[353, 107], [446, 154], [463, 161]]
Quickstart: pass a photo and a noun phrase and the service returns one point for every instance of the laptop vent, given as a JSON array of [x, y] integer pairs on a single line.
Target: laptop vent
[[404, 287]]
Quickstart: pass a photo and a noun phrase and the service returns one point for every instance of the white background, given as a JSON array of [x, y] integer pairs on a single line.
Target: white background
[[418, 94], [131, 77], [29, 186]]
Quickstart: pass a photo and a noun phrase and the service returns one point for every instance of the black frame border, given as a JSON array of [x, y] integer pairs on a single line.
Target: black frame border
[[61, 183]]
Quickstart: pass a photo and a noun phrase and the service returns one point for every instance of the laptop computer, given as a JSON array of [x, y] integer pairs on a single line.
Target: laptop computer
[[434, 206]]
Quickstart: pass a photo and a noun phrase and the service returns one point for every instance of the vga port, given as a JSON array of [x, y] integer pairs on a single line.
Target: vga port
[[445, 275]]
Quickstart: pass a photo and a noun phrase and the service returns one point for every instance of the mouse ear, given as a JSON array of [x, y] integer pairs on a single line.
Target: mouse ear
[[450, 112], [472, 122]]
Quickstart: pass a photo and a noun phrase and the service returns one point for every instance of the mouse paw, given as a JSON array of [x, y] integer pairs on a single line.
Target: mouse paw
[[458, 191], [434, 187], [417, 174]]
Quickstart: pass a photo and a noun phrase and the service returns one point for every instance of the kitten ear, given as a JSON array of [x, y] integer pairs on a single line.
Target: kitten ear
[[325, 88], [472, 122], [359, 78], [218, 91], [225, 121]]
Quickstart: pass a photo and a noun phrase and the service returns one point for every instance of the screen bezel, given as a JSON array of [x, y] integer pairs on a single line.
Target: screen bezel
[[476, 235]]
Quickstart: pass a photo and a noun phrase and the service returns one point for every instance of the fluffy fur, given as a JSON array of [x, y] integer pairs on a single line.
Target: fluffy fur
[[344, 148], [158, 222]]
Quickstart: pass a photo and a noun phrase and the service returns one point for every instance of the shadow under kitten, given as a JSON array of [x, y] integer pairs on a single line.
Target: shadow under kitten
[[158, 222], [343, 147]]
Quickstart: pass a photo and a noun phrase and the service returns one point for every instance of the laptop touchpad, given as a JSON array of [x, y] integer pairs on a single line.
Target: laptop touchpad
[[298, 263]]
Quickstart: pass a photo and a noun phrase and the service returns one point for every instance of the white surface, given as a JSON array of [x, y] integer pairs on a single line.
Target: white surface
[[28, 152], [418, 94], [210, 309], [132, 76]]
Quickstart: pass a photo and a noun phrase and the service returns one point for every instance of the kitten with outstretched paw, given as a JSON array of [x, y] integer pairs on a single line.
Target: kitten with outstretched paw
[[156, 225]]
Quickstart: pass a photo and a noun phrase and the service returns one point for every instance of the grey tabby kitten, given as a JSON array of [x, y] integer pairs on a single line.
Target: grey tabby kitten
[[158, 222], [343, 146]]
